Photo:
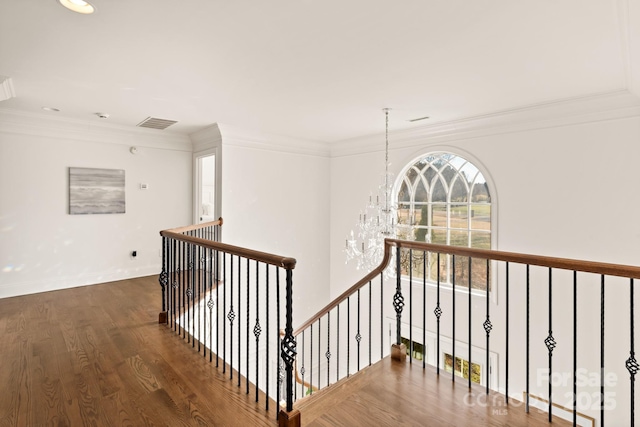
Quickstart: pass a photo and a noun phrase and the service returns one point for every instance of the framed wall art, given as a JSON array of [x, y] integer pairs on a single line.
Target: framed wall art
[[96, 191]]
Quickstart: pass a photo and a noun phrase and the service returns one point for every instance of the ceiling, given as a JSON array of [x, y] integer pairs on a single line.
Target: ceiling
[[310, 69]]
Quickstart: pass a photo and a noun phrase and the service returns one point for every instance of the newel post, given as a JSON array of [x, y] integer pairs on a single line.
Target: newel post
[[398, 350], [164, 281], [289, 417]]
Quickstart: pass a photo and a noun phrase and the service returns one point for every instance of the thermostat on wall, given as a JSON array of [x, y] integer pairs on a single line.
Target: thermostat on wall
[[144, 186]]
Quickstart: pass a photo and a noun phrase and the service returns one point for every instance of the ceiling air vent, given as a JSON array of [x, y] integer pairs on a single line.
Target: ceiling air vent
[[155, 123]]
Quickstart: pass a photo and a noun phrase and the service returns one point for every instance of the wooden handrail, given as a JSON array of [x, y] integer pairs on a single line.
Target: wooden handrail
[[607, 269], [366, 279], [277, 260], [197, 226]]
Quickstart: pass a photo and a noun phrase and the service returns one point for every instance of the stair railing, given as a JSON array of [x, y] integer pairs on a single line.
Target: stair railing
[[443, 298], [226, 301]]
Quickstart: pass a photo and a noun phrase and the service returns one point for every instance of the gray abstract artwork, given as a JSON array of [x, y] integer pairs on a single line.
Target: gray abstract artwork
[[96, 191]]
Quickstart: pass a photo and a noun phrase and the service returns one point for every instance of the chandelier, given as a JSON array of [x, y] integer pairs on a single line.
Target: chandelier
[[377, 221]]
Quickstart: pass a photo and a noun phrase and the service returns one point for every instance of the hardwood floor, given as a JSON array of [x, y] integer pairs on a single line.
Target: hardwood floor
[[399, 394], [96, 356]]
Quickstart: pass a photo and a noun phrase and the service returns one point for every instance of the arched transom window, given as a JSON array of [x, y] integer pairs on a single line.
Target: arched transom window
[[444, 199]]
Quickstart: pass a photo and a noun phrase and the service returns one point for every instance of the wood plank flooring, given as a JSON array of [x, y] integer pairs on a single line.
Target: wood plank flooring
[[96, 356], [399, 394]]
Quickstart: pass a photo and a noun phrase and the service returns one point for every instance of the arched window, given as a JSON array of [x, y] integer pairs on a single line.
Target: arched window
[[444, 199]]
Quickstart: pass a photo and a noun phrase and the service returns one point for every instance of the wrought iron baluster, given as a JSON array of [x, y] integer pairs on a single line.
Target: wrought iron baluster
[[631, 363], [398, 299], [210, 304], [163, 279], [550, 342], [247, 327], [410, 349], [267, 290], [278, 324], [224, 307], [190, 295], [231, 316], [289, 342], [453, 321], [358, 336], [527, 342], [311, 362], [381, 316], [338, 343], [424, 308], [602, 350], [217, 284], [328, 353], [506, 317], [183, 288], [370, 290], [319, 351], [438, 313], [348, 335], [302, 369], [575, 347], [240, 320], [469, 326], [487, 325], [257, 329]]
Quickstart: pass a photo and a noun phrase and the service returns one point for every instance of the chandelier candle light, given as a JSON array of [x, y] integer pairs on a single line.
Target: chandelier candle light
[[377, 221]]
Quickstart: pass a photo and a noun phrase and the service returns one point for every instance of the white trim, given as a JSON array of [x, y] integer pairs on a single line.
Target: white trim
[[46, 126], [599, 107], [250, 139], [59, 283]]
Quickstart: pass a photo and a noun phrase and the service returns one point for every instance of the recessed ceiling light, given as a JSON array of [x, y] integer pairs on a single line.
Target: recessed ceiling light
[[50, 109], [79, 6]]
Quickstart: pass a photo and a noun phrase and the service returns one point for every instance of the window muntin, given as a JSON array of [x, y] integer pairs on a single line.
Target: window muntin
[[443, 198]]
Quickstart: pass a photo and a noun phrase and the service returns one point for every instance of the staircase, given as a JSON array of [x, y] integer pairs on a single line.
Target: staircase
[[478, 325]]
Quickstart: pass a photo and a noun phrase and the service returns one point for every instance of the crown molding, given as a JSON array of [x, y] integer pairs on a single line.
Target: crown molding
[[206, 138], [42, 125], [605, 106], [238, 137]]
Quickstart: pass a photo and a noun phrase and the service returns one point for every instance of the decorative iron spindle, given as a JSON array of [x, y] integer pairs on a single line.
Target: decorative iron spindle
[[358, 336], [289, 342], [631, 363], [257, 330], [550, 342], [311, 361], [216, 283], [487, 326], [163, 279], [438, 313], [398, 299], [319, 351], [210, 304], [231, 316], [328, 353]]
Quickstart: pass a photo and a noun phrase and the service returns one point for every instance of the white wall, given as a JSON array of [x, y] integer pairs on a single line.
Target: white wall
[[275, 199], [563, 189], [44, 248]]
